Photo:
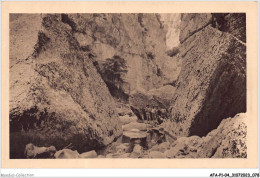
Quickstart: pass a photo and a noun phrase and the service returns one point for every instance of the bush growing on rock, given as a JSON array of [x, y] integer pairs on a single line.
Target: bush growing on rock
[[113, 71]]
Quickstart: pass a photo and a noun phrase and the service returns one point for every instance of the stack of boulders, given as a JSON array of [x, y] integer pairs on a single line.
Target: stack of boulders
[[228, 140], [32, 151]]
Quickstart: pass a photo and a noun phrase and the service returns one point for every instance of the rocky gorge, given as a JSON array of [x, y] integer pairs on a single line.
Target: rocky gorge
[[128, 85]]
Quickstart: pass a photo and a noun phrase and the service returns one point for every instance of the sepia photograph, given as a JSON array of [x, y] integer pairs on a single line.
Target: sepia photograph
[[132, 85], [129, 85]]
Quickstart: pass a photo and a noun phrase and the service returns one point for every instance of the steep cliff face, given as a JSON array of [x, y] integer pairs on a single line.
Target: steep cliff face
[[57, 97], [212, 82], [138, 39]]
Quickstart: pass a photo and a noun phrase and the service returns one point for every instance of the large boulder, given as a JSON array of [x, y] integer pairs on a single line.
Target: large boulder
[[57, 97], [135, 126], [32, 151], [89, 154], [212, 82], [184, 147], [137, 151], [156, 154], [227, 141], [66, 154]]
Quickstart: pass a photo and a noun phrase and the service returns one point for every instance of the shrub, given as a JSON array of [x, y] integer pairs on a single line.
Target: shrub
[[112, 72]]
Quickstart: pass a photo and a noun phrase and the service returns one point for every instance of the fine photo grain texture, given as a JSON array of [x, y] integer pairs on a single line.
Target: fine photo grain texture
[[129, 85]]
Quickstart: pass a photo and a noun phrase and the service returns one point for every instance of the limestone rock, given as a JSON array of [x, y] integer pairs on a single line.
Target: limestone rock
[[135, 125], [154, 148], [211, 85], [172, 24], [163, 94], [192, 23], [133, 135], [137, 151], [32, 151], [24, 30], [184, 147], [66, 154], [138, 39], [89, 154], [123, 148], [163, 146], [127, 119], [126, 155], [233, 23], [228, 140], [156, 154], [57, 96]]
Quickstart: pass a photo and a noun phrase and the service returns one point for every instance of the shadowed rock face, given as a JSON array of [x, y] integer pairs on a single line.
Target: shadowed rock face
[[152, 105], [212, 82], [57, 96], [234, 24]]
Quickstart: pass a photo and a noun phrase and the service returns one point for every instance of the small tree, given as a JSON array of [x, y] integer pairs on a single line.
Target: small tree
[[112, 72]]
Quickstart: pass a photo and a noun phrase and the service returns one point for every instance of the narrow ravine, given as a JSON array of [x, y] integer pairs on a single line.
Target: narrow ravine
[[120, 86]]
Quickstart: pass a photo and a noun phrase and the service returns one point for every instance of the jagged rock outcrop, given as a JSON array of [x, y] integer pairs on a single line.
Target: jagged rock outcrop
[[135, 43], [57, 96], [192, 23], [234, 23], [212, 82], [227, 141]]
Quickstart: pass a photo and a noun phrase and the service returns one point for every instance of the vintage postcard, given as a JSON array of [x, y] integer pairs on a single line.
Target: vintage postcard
[[129, 85]]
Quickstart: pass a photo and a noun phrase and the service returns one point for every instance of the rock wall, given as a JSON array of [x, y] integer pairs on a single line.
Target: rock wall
[[212, 83], [57, 97], [139, 39], [172, 24]]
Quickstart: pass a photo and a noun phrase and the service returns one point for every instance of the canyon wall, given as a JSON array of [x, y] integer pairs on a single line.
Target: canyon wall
[[65, 67], [212, 82], [57, 97], [135, 42]]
